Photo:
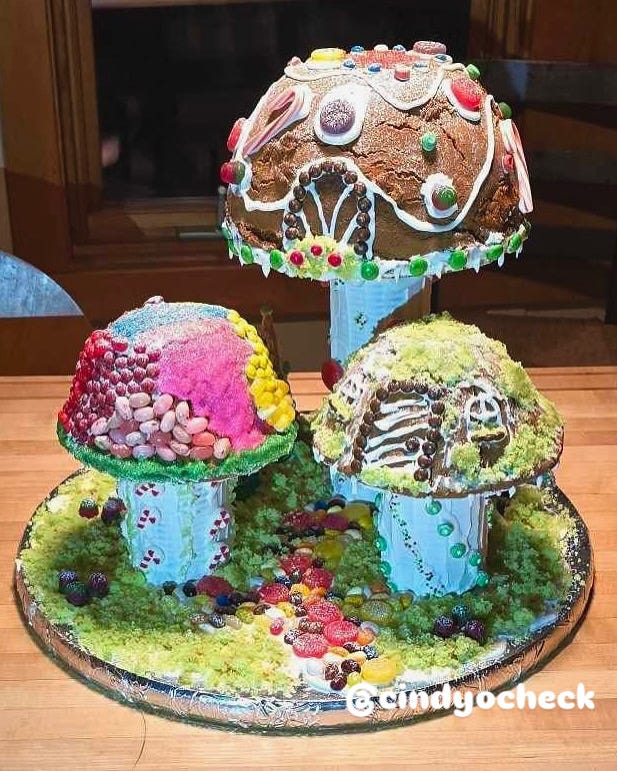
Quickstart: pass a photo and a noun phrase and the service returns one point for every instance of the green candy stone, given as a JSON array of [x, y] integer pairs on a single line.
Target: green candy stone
[[433, 507], [482, 579], [505, 110], [385, 568], [458, 550], [393, 587], [514, 244], [473, 71], [457, 259], [369, 271], [246, 253], [447, 196], [494, 252], [445, 529], [418, 267], [380, 543], [475, 559], [428, 141], [276, 259]]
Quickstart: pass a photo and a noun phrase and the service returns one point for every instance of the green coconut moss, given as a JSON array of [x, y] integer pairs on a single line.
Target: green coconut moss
[[329, 440], [274, 447], [392, 479], [466, 459]]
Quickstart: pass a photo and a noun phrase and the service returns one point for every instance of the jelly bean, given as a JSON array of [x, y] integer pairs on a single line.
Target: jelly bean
[[205, 439], [121, 450], [365, 636], [117, 435], [183, 412], [123, 408], [162, 404], [149, 427], [143, 414], [139, 399], [201, 453], [160, 438], [168, 421], [196, 425], [114, 422], [222, 448], [135, 438], [103, 442], [99, 427], [166, 454], [143, 451], [179, 448], [180, 434]]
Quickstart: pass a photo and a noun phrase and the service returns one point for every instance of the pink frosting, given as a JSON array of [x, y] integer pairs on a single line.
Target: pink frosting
[[204, 363]]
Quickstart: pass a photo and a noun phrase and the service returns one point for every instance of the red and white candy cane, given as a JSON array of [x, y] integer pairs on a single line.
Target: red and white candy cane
[[293, 102], [147, 487], [513, 144], [221, 557], [147, 517], [149, 557], [220, 523]]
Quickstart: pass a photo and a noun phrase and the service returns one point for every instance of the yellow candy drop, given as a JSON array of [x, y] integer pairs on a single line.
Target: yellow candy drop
[[379, 671], [355, 510], [327, 54], [353, 678]]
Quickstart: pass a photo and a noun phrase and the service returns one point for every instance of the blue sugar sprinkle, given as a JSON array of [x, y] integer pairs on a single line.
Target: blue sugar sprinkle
[[374, 67], [349, 64], [140, 320]]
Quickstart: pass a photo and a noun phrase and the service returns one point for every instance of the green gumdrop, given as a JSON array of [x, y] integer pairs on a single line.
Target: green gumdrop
[[369, 271], [473, 71], [428, 141], [494, 252], [505, 110], [475, 559], [457, 259], [385, 568], [433, 507], [482, 579], [445, 529], [418, 267], [447, 196], [246, 253], [276, 259], [514, 244], [458, 550]]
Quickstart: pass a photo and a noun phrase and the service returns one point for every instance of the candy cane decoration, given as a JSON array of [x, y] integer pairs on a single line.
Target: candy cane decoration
[[146, 518], [513, 144], [220, 523], [147, 487], [295, 103], [220, 558], [150, 556]]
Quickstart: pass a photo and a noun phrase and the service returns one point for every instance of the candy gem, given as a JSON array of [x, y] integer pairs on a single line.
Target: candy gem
[[374, 67], [316, 250], [505, 110], [399, 48], [357, 49], [457, 259], [494, 252], [467, 93], [327, 54], [482, 578], [445, 529], [473, 71], [246, 253], [380, 543], [385, 568], [331, 373], [507, 162], [428, 141], [349, 64], [433, 507], [458, 550], [418, 267], [234, 134], [369, 271], [232, 172], [401, 72], [444, 197], [475, 559], [276, 259], [335, 259], [296, 258], [514, 244]]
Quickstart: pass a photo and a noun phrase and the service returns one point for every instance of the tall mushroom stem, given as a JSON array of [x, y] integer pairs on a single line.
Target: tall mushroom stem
[[356, 310], [428, 545], [177, 531]]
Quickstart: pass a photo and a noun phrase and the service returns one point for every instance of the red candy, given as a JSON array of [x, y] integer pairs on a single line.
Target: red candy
[[429, 47], [316, 250], [273, 593], [296, 258], [467, 93], [331, 373], [341, 632], [335, 259], [276, 627], [234, 134], [309, 646], [317, 578], [324, 611], [335, 522], [299, 562], [213, 586], [300, 520]]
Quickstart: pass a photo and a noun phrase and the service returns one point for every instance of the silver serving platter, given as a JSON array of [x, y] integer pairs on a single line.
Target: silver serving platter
[[308, 711]]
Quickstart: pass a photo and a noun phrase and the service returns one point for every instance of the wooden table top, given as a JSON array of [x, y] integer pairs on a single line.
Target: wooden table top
[[50, 721]]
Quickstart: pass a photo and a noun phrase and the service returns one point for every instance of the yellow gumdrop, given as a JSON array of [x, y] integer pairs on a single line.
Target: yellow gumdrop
[[379, 671], [257, 386], [353, 678], [301, 588], [264, 399], [327, 54], [330, 549], [355, 510]]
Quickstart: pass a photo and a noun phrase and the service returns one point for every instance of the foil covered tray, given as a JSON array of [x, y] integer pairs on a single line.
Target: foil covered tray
[[308, 711]]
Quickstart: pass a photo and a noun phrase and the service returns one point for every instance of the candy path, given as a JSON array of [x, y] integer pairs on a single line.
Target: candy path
[[48, 720]]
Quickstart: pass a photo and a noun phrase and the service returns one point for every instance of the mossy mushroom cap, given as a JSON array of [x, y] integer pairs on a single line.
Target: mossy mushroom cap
[[436, 407]]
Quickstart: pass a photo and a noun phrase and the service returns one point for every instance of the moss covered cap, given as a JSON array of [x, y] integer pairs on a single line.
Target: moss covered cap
[[436, 407]]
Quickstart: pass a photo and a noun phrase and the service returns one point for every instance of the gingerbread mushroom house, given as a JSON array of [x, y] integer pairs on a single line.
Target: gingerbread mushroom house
[[177, 400], [430, 420], [375, 170]]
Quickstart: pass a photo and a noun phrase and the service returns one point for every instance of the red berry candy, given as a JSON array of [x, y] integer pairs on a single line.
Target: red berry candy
[[119, 344], [299, 520], [335, 259], [88, 509], [309, 646], [316, 578], [324, 611], [276, 627], [232, 172], [234, 134], [273, 593], [316, 250], [467, 92], [296, 258], [213, 586], [335, 522], [299, 562], [331, 373], [341, 632]]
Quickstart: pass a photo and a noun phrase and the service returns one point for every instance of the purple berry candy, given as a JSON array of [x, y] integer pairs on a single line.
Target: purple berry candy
[[445, 627], [113, 508], [77, 594], [66, 577], [476, 630], [98, 585]]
